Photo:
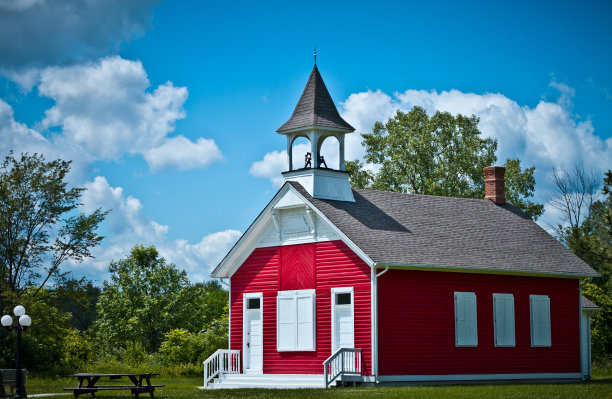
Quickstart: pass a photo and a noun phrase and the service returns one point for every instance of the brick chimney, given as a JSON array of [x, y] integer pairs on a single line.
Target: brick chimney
[[495, 184]]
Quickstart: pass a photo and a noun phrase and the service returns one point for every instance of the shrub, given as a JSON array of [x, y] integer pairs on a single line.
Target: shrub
[[78, 349]]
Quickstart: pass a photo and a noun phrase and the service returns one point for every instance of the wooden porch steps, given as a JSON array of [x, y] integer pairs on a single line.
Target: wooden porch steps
[[278, 381]]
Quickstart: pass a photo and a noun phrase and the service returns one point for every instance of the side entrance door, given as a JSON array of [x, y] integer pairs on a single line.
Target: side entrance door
[[343, 325], [253, 333]]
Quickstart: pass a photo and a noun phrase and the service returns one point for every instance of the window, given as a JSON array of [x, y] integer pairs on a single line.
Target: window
[[343, 299], [540, 320], [503, 319], [295, 328], [466, 332], [253, 303]]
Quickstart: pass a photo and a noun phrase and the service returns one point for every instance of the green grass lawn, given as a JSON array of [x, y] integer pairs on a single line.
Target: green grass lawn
[[599, 387]]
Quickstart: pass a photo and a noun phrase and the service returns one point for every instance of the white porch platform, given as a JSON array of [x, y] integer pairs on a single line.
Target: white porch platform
[[278, 381], [223, 370]]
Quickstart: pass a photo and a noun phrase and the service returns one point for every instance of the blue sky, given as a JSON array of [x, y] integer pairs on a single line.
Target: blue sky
[[169, 110]]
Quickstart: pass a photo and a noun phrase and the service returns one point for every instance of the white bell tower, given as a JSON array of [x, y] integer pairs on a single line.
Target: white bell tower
[[316, 118]]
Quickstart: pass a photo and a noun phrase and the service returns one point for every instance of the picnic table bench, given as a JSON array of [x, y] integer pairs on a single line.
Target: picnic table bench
[[88, 381], [8, 377]]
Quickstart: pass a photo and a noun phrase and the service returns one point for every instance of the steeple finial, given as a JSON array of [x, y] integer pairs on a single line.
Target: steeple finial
[[315, 55]]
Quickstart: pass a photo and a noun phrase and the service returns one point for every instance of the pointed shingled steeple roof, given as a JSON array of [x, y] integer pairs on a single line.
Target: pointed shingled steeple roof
[[315, 108]]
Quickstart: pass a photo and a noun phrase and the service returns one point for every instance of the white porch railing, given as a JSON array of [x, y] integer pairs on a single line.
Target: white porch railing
[[346, 361], [223, 361]]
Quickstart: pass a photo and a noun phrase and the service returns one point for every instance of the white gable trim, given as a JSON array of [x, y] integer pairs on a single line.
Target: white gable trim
[[253, 235]]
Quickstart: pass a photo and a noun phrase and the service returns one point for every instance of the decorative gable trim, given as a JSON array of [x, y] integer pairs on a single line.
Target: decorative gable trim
[[288, 219]]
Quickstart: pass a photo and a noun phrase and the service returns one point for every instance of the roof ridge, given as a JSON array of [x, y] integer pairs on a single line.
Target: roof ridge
[[419, 195]]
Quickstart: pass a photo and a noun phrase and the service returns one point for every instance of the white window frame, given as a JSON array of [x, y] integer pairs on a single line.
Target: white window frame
[[341, 290], [509, 342], [547, 342], [295, 294], [469, 343], [245, 300]]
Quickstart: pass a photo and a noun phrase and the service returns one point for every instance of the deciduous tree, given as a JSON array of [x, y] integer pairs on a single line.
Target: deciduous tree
[[588, 233], [438, 155], [147, 297], [40, 224]]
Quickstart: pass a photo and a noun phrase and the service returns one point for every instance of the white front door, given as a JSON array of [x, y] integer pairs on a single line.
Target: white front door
[[253, 340], [343, 335]]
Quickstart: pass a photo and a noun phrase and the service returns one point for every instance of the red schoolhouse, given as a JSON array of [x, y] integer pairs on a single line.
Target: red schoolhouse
[[331, 284]]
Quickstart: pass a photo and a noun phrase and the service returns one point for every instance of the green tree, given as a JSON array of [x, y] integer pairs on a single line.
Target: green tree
[[145, 298], [208, 301], [438, 155], [520, 185], [46, 340], [78, 297], [601, 322], [182, 346], [40, 226]]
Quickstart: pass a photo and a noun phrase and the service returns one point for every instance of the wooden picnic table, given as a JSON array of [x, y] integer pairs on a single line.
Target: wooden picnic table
[[88, 381]]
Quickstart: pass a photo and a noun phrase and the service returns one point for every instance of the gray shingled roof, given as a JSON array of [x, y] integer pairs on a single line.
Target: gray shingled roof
[[315, 108], [587, 303], [408, 229]]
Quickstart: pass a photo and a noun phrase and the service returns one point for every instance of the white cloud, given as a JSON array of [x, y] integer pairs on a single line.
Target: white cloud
[[105, 110], [182, 154], [127, 226], [208, 251], [38, 33], [271, 167], [126, 215], [361, 110], [105, 107], [566, 94], [17, 135]]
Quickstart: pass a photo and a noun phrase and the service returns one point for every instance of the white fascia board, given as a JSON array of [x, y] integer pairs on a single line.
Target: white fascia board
[[477, 377], [249, 240], [486, 270]]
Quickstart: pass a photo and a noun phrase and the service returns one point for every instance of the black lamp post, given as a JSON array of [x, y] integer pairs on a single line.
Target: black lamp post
[[23, 323]]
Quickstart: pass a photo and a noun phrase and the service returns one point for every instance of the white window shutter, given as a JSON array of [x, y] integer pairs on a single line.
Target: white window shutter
[[295, 320], [305, 322], [466, 327], [540, 320], [286, 322], [503, 312]]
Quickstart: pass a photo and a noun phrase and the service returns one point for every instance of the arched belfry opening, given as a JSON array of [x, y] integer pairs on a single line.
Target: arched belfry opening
[[331, 150], [298, 152], [316, 118]]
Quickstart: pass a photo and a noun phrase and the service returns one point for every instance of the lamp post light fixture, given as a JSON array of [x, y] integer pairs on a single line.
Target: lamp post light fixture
[[23, 322]]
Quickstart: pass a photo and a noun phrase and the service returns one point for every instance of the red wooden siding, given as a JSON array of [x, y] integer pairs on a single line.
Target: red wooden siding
[[335, 266], [297, 268], [417, 324]]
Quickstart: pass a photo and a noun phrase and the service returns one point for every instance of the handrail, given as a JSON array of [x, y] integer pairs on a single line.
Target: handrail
[[223, 361], [346, 361]]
